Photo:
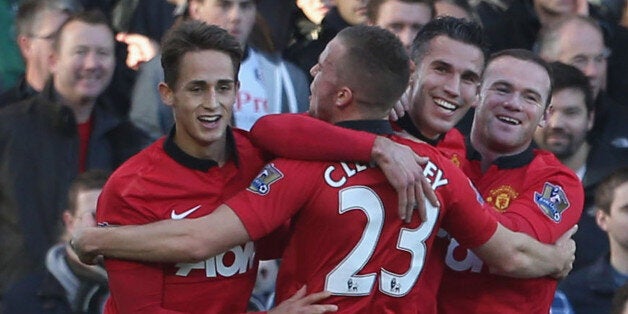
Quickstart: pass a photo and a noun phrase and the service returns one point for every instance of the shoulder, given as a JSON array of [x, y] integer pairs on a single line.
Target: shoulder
[[545, 164], [139, 166]]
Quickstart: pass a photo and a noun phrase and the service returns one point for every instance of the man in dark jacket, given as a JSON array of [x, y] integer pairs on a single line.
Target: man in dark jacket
[[47, 140]]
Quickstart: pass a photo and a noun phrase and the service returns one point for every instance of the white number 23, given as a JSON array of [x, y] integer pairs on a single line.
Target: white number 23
[[342, 280]]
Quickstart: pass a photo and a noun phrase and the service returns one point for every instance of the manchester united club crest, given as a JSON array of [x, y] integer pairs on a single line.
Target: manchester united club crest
[[501, 197], [268, 175], [552, 201], [455, 160]]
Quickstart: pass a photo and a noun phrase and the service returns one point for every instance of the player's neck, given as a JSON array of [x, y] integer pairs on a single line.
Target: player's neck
[[216, 150]]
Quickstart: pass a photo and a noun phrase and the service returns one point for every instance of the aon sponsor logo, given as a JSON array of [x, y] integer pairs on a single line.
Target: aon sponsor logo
[[242, 257]]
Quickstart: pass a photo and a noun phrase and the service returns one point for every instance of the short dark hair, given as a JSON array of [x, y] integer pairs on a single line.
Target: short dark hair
[[29, 12], [88, 180], [567, 76], [373, 6], [605, 192], [91, 17], [190, 36], [526, 55], [468, 32], [375, 65]]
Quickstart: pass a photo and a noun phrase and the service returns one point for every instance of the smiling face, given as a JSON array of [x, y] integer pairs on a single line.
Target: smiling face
[[202, 101], [445, 85], [567, 123], [83, 64], [512, 103]]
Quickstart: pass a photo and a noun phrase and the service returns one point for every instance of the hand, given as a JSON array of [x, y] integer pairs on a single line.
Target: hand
[[140, 49], [77, 243], [406, 100], [403, 169], [301, 304], [402, 105], [566, 250]]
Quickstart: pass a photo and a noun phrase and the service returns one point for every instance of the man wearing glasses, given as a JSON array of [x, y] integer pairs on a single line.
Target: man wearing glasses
[[37, 23]]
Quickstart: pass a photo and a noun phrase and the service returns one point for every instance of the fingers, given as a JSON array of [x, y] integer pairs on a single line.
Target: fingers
[[411, 202], [420, 196], [567, 235], [315, 297], [300, 303], [428, 192], [299, 294], [403, 202]]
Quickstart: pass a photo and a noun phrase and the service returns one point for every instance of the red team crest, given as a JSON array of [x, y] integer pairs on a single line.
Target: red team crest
[[455, 160], [268, 175], [501, 197]]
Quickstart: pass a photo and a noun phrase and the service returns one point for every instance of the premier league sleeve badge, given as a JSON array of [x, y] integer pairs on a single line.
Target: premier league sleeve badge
[[552, 201]]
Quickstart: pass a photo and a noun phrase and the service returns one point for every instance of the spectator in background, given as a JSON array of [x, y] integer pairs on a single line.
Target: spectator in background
[[307, 20], [579, 41], [46, 140], [67, 285], [37, 22], [403, 18], [591, 289], [345, 13]]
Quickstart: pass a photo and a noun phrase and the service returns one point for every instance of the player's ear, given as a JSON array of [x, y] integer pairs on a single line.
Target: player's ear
[[166, 93], [344, 96]]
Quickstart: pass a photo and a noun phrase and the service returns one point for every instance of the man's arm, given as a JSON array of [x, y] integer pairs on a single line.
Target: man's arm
[[518, 255], [284, 134], [185, 240]]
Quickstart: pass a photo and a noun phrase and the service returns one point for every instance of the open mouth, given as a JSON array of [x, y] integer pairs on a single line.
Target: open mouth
[[209, 118], [509, 120], [445, 104]]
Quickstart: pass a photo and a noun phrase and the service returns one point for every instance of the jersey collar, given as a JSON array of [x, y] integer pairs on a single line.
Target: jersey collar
[[503, 162], [380, 127], [406, 124], [191, 162]]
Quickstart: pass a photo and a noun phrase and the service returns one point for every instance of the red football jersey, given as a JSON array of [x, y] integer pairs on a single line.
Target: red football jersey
[[532, 192], [162, 182], [346, 236]]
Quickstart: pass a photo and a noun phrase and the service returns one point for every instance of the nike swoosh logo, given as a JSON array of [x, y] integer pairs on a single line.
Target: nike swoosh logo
[[184, 214]]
